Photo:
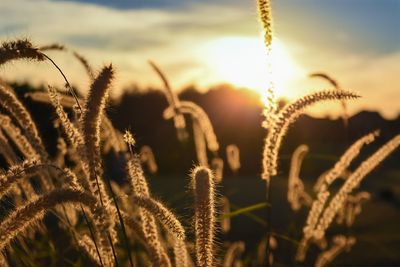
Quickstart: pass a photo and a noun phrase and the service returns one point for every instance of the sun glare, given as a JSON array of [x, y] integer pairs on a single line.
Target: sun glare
[[243, 62]]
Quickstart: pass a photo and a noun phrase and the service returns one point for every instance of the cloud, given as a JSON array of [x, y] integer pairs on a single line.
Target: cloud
[[374, 77], [174, 34], [83, 25], [365, 25], [159, 4], [128, 38]]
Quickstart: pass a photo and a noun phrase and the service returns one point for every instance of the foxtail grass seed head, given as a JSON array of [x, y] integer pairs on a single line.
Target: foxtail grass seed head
[[273, 244], [340, 244], [261, 251], [6, 150], [351, 208], [315, 212], [19, 49], [94, 106], [88, 246], [204, 223], [66, 101], [3, 260], [302, 249], [90, 123], [15, 134], [34, 210], [113, 139], [296, 194], [16, 173], [161, 213], [174, 104], [61, 152], [335, 84], [10, 102], [54, 46], [149, 209], [137, 179], [158, 257], [265, 15], [321, 179], [326, 77], [181, 253], [345, 160], [109, 135], [233, 157], [85, 63], [287, 116], [74, 137], [234, 252], [352, 182], [304, 245], [147, 158], [139, 188], [198, 114], [70, 182], [129, 140], [297, 160]]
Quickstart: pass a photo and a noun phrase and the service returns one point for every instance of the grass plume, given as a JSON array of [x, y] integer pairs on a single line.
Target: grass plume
[[16, 109], [34, 211], [352, 182], [203, 186], [147, 157], [233, 157], [287, 116], [297, 196], [91, 120], [340, 244], [265, 16], [19, 49], [199, 115], [335, 84], [174, 103], [141, 192]]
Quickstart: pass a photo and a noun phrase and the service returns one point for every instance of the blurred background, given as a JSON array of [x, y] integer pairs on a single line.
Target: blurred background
[[213, 54]]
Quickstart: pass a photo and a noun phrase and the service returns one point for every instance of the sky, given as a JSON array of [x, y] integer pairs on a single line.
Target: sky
[[208, 42]]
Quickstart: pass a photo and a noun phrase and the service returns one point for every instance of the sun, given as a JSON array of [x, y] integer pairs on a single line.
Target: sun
[[242, 61]]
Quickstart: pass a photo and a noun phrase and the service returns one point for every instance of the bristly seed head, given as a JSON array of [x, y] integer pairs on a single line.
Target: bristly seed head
[[19, 49], [203, 185]]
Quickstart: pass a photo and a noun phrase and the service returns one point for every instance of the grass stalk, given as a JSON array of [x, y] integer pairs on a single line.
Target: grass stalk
[[121, 221], [92, 235]]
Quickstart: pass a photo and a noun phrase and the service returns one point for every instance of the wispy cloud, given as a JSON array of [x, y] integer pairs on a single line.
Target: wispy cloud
[[127, 37], [161, 4]]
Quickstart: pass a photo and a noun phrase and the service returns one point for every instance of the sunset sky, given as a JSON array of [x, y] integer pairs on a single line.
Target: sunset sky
[[206, 42]]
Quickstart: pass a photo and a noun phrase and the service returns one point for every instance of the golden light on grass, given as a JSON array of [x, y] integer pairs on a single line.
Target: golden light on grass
[[242, 61], [77, 184]]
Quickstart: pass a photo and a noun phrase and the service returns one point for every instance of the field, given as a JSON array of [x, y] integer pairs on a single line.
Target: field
[[226, 177], [376, 246]]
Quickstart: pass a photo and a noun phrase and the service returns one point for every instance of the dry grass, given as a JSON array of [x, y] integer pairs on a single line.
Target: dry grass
[[122, 222]]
